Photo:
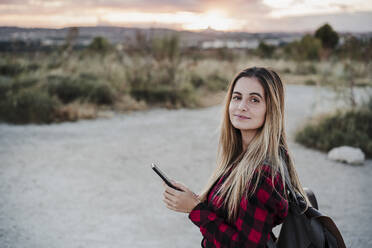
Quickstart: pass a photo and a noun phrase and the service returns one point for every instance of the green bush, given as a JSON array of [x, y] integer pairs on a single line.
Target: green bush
[[265, 50], [197, 81], [30, 105], [9, 86], [15, 69], [11, 70], [160, 82], [310, 82], [305, 69], [6, 84], [327, 35], [85, 87], [216, 82], [100, 45], [101, 93], [351, 128], [308, 48], [166, 47]]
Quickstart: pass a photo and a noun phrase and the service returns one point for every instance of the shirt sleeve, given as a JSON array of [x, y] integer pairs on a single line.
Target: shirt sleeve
[[255, 217]]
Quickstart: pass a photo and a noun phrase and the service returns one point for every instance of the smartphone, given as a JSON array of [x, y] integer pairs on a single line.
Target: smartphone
[[163, 176]]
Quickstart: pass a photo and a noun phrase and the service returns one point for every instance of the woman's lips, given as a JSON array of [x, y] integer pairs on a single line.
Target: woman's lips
[[242, 117]]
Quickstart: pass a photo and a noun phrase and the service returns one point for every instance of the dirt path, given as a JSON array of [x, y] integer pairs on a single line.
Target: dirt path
[[89, 184]]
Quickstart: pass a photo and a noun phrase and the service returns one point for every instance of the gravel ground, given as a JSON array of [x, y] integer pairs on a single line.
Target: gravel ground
[[89, 183]]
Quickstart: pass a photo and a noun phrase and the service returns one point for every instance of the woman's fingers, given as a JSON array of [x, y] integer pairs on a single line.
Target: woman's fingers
[[170, 204], [169, 196], [171, 191]]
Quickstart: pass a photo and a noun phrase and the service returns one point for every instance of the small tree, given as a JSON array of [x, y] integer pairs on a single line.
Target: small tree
[[71, 39], [100, 45], [265, 50], [166, 47], [328, 36], [308, 48]]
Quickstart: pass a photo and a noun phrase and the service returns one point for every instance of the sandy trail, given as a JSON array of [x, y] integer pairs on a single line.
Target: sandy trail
[[89, 184]]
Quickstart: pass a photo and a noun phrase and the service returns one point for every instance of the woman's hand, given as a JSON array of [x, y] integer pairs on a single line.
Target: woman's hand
[[180, 201]]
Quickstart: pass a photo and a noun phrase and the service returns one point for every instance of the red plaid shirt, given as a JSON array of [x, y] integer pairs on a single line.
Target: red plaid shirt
[[257, 215]]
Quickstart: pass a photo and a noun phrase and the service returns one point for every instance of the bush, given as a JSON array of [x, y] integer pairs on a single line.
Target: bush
[[100, 45], [15, 69], [101, 93], [327, 35], [166, 47], [6, 84], [160, 82], [11, 70], [305, 69], [212, 82], [28, 105], [308, 48], [264, 50], [216, 82], [310, 82], [85, 87], [351, 128]]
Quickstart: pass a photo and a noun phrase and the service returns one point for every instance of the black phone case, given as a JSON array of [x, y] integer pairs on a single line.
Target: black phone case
[[164, 177]]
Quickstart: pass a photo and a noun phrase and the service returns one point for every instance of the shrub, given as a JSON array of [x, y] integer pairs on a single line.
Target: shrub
[[15, 69], [22, 83], [216, 82], [160, 82], [101, 93], [197, 81], [100, 45], [166, 47], [6, 84], [85, 87], [350, 128], [327, 35], [305, 69], [308, 48], [65, 88], [28, 105], [265, 50], [310, 82], [11, 70]]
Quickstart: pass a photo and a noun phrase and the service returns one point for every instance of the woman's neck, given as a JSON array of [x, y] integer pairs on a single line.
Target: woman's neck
[[247, 136]]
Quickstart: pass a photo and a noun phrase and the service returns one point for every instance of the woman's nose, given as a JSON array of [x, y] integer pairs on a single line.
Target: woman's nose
[[243, 106]]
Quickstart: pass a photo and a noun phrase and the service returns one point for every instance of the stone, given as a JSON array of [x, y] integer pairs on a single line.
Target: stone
[[347, 154]]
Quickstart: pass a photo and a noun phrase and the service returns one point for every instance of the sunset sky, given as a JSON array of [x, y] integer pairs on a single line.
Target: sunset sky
[[231, 15]]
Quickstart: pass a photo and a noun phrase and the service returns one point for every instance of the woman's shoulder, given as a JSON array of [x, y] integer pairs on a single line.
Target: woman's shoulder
[[271, 179], [270, 191]]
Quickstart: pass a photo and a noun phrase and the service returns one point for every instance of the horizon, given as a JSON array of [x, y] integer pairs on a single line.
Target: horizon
[[255, 16], [184, 30]]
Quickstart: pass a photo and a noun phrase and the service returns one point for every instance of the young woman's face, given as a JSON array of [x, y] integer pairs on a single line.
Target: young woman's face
[[247, 107]]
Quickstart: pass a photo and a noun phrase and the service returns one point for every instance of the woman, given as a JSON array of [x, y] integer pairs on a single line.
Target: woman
[[246, 194]]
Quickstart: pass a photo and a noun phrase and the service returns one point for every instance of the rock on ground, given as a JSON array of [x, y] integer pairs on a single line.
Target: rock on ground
[[350, 155]]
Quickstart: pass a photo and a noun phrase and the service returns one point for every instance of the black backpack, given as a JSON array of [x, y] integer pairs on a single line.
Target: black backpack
[[306, 229]]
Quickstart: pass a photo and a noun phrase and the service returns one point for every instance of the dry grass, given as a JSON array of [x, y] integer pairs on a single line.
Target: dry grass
[[76, 111], [183, 82]]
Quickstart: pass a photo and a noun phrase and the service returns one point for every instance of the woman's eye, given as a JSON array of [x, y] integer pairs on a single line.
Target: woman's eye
[[255, 100], [236, 98]]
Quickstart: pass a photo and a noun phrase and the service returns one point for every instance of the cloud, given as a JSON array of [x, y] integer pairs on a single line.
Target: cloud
[[248, 15], [341, 22]]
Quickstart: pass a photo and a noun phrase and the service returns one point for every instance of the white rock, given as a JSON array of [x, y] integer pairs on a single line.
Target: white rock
[[347, 154]]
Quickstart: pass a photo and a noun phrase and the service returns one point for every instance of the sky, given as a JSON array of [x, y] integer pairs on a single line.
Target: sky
[[230, 15]]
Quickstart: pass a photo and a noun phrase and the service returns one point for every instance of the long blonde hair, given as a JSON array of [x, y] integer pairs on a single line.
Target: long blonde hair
[[265, 147]]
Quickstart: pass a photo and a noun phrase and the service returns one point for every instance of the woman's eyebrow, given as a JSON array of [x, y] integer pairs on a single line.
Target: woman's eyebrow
[[252, 93], [257, 94]]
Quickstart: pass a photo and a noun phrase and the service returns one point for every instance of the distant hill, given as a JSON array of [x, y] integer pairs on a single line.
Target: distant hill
[[124, 34], [209, 38]]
